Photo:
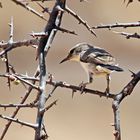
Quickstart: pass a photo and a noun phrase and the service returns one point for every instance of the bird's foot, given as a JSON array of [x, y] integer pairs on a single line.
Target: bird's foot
[[83, 86], [107, 91], [50, 77]]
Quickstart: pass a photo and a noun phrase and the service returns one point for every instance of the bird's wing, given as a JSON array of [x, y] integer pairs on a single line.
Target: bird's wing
[[97, 56]]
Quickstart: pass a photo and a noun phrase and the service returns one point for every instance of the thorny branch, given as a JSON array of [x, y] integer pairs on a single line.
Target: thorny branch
[[81, 21], [127, 90], [25, 5], [18, 121], [61, 84], [117, 98], [16, 44], [31, 105], [44, 44], [9, 44], [117, 25], [121, 25], [129, 35], [27, 93]]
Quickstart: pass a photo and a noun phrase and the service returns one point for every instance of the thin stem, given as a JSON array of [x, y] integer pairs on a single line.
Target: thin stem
[[18, 121], [117, 25], [27, 93]]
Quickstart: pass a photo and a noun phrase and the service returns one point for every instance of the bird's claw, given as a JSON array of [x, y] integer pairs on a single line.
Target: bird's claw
[[50, 77], [107, 91], [82, 86]]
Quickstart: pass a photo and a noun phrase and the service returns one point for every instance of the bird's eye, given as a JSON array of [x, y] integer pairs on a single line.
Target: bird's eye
[[72, 51]]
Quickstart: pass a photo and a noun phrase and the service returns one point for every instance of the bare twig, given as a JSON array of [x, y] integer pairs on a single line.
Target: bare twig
[[27, 93], [117, 25], [81, 21], [64, 85], [29, 8], [50, 94], [14, 77], [18, 121], [9, 44], [45, 9], [117, 98], [27, 82], [66, 31], [38, 34], [17, 44], [31, 105], [129, 35], [50, 106]]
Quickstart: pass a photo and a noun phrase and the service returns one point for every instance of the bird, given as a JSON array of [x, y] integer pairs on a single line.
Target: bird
[[95, 61]]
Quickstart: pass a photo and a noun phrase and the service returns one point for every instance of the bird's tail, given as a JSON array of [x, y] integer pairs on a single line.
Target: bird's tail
[[112, 67]]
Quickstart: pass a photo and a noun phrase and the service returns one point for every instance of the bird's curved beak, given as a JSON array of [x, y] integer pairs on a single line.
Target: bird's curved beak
[[65, 59]]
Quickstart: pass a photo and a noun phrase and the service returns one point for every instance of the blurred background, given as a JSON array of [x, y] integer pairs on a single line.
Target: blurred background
[[85, 116]]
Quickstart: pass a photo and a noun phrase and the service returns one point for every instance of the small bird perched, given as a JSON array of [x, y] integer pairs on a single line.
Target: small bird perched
[[95, 61]]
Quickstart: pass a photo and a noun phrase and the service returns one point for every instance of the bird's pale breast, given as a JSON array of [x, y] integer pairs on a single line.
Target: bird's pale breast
[[95, 69]]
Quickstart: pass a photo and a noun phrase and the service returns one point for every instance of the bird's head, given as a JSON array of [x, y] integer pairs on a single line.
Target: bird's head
[[75, 52]]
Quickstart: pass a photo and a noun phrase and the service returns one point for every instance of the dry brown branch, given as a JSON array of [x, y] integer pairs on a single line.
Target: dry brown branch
[[129, 35], [18, 121], [30, 105], [6, 54], [117, 98], [17, 44], [42, 77], [38, 34], [27, 82], [117, 25], [50, 106], [62, 84], [66, 31], [24, 5], [81, 21], [21, 43], [44, 9], [11, 38], [27, 93]]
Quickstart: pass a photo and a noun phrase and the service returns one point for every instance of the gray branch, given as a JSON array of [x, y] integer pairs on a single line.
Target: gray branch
[[61, 84], [81, 21], [18, 121], [27, 93], [16, 44], [31, 105], [18, 2], [127, 90], [117, 25], [129, 35], [44, 45]]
